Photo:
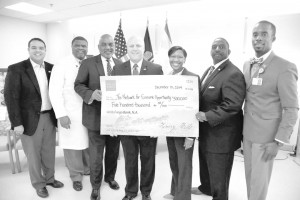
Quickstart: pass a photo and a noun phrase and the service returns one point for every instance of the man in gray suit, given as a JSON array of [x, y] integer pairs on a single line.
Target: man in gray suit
[[87, 85], [132, 145], [271, 109]]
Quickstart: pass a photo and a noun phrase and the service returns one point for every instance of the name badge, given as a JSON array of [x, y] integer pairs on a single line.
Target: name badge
[[257, 81]]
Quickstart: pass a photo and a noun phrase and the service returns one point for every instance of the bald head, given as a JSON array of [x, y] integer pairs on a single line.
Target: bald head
[[106, 46]]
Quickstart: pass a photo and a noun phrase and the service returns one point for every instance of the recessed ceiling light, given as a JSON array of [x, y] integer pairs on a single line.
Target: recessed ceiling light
[[28, 8]]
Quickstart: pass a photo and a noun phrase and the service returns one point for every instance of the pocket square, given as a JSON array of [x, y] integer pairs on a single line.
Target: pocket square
[[211, 87]]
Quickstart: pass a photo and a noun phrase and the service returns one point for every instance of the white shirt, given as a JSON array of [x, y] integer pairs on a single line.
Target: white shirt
[[104, 62], [41, 77], [139, 65]]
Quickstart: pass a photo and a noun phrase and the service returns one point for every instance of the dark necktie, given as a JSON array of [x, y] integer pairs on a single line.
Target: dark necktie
[[109, 69], [135, 70], [211, 70]]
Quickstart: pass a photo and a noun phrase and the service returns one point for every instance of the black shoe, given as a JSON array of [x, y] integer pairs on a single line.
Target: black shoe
[[77, 185], [56, 184], [146, 197], [128, 197], [113, 184], [95, 195], [42, 192]]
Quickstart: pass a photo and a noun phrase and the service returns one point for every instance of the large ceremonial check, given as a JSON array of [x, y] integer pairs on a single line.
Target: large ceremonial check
[[152, 105]]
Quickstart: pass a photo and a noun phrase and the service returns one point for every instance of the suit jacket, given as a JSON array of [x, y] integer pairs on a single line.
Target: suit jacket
[[222, 96], [271, 109], [87, 81], [22, 96], [147, 68]]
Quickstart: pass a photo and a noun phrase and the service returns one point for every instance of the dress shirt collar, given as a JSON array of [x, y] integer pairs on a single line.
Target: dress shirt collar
[[178, 73], [104, 60], [265, 56], [139, 64], [220, 63], [35, 65]]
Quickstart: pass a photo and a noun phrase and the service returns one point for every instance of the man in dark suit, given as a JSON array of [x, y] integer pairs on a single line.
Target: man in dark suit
[[31, 114], [87, 85], [131, 144], [222, 95]]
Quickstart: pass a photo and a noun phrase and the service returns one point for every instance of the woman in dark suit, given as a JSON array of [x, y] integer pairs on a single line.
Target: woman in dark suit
[[180, 148]]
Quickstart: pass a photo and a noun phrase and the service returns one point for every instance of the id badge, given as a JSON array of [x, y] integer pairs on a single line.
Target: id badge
[[257, 81]]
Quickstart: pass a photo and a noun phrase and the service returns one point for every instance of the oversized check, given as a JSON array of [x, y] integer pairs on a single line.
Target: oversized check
[[153, 105]]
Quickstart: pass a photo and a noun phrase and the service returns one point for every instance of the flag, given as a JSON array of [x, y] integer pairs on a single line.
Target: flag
[[148, 54], [168, 34], [121, 48]]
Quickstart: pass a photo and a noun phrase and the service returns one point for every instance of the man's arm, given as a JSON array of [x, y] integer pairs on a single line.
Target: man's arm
[[287, 89], [12, 96], [233, 95], [81, 84]]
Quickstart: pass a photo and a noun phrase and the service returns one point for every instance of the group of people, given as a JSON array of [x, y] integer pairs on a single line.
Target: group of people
[[257, 107]]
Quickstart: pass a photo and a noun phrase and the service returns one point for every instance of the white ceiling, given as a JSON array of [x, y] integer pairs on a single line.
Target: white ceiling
[[67, 9]]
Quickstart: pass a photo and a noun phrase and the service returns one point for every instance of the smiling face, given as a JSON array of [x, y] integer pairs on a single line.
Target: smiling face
[[106, 46], [37, 51], [262, 38], [135, 48], [79, 49], [177, 60], [219, 50]]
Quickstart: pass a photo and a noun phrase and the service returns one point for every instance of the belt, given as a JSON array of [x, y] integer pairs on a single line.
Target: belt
[[45, 111]]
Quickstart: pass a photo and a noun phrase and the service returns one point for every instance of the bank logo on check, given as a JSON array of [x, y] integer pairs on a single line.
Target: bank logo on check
[[110, 85]]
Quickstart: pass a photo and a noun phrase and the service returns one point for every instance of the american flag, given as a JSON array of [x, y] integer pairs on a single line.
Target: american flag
[[121, 48]]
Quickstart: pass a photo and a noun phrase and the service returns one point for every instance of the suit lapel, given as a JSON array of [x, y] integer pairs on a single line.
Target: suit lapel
[[144, 68], [213, 75], [247, 74], [30, 72], [99, 66], [48, 71]]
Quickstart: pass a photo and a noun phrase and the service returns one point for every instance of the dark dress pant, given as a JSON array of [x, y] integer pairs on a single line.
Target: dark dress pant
[[112, 147], [181, 164], [132, 146], [96, 150], [215, 172]]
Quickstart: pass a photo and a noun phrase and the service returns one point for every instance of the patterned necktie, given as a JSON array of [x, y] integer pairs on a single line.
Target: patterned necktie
[[135, 70], [79, 63], [109, 69]]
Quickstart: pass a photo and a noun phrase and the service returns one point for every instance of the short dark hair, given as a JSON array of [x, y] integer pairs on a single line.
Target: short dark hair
[[273, 27], [176, 48], [220, 38], [79, 38], [36, 39]]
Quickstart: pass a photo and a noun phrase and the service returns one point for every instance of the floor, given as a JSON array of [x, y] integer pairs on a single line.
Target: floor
[[285, 182]]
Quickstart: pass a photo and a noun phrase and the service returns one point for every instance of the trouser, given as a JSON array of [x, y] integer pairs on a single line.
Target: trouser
[[181, 166], [77, 162], [40, 152], [258, 172], [132, 146], [96, 148]]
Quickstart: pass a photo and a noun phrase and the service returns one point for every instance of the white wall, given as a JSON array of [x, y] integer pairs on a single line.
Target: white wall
[[15, 35]]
